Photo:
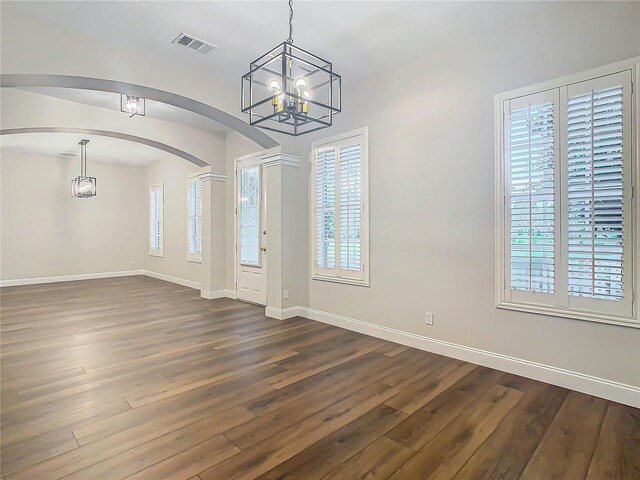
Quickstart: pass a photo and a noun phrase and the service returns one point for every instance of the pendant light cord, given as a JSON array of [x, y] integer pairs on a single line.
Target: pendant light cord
[[290, 39]]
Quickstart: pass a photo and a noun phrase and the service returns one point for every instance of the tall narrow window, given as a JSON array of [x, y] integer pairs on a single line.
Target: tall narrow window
[[568, 208], [194, 219], [340, 192], [156, 219], [250, 215]]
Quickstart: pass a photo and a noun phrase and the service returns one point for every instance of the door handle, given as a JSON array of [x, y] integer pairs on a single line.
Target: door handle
[[264, 249]]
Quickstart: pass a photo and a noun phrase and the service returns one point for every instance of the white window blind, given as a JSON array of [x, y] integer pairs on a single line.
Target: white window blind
[[156, 220], [326, 208], [595, 194], [567, 189], [350, 208], [194, 219], [532, 224], [340, 195]]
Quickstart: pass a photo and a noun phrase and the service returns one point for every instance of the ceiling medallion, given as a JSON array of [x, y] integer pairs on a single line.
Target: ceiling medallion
[[290, 90], [83, 186]]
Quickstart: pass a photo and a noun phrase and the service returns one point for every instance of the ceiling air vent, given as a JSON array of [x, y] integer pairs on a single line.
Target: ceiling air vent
[[189, 41]]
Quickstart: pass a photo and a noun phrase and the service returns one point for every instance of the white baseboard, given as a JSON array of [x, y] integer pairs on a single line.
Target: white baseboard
[[213, 294], [283, 313], [124, 273], [69, 278], [600, 387], [169, 278]]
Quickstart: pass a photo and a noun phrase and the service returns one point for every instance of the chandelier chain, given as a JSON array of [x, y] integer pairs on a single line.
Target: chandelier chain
[[290, 39]]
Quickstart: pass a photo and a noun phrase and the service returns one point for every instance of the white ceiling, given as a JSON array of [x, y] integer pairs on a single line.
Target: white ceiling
[[99, 149], [359, 37]]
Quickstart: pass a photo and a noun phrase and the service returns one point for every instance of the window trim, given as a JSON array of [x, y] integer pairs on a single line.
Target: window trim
[[195, 257], [156, 252], [501, 301], [319, 274]]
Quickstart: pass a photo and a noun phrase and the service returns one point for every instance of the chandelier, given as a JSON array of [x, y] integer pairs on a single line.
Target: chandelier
[[290, 90], [132, 105], [83, 186]]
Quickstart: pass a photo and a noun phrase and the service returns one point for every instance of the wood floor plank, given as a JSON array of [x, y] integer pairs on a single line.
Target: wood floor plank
[[617, 453], [136, 377], [425, 389], [25, 453], [329, 453], [445, 455], [86, 456], [566, 449], [149, 453], [270, 453], [426, 423], [196, 459], [365, 367], [209, 399], [37, 426], [378, 461], [502, 457], [246, 435]]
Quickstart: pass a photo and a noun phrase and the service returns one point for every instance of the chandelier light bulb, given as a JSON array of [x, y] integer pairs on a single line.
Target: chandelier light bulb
[[274, 85], [132, 104], [301, 82], [304, 107], [277, 101]]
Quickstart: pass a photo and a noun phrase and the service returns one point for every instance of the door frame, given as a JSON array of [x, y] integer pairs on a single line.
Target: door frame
[[259, 157]]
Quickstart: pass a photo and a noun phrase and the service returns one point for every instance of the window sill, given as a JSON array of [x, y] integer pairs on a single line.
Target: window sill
[[155, 254], [345, 281], [574, 314], [194, 260]]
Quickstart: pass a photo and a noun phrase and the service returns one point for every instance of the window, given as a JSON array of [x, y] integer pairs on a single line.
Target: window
[[194, 219], [250, 188], [156, 219], [340, 219], [565, 208]]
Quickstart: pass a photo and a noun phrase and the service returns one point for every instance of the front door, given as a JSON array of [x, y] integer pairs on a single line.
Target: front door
[[251, 236]]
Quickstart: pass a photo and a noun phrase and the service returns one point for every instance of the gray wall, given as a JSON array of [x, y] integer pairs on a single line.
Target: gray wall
[[432, 189]]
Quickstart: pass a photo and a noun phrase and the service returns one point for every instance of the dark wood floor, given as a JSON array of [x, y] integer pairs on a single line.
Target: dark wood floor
[[138, 378]]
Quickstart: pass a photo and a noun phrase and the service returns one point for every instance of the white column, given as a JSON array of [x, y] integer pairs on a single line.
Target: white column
[[278, 176], [213, 234]]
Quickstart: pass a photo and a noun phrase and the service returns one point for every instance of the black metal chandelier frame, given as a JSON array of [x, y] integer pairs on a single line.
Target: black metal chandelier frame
[[290, 111]]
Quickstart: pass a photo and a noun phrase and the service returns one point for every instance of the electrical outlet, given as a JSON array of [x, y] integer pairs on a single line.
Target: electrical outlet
[[428, 319], [132, 264], [285, 294]]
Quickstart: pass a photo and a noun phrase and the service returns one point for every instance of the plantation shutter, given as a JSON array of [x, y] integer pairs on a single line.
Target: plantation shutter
[[598, 197], [350, 209], [156, 220], [194, 219], [325, 209], [199, 218], [531, 157]]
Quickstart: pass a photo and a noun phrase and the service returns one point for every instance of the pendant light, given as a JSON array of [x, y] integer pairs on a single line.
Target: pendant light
[[132, 105], [290, 90], [83, 186]]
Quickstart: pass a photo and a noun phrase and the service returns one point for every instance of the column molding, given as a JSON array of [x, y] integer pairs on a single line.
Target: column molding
[[280, 159], [213, 177]]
